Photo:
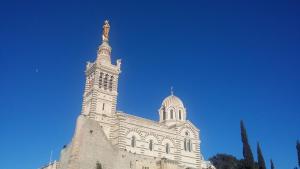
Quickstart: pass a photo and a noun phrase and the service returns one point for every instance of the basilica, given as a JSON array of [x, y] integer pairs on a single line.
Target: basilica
[[106, 138]]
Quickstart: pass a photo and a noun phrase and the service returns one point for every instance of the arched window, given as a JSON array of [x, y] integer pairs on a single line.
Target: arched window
[[171, 114], [190, 145], [133, 141], [151, 145], [101, 80], [179, 114], [167, 148], [110, 86], [164, 115], [105, 82], [185, 145]]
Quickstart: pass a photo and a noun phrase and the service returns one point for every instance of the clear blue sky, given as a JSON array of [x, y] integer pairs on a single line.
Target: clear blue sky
[[227, 62]]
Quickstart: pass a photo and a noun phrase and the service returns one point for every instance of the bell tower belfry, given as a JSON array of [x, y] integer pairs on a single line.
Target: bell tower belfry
[[101, 87]]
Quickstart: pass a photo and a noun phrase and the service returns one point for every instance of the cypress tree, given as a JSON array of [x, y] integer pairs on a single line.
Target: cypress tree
[[247, 153], [298, 152], [260, 158], [272, 164]]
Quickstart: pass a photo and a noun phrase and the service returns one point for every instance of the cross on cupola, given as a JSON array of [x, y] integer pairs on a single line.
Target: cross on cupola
[[172, 93]]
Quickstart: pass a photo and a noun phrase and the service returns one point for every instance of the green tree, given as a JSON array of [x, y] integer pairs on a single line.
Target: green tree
[[248, 162], [272, 164], [225, 161], [260, 158]]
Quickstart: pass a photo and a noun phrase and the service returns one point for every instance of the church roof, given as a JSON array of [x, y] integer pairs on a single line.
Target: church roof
[[172, 100]]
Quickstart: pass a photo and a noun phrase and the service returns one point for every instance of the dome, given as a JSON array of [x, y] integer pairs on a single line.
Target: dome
[[172, 111], [172, 101]]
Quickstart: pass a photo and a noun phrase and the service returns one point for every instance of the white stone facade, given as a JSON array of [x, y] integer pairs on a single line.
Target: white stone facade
[[117, 140]]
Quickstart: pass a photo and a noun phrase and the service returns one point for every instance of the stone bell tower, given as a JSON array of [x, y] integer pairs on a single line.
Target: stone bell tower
[[101, 87]]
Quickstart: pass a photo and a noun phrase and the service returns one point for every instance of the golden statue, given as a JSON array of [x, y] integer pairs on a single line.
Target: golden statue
[[105, 31]]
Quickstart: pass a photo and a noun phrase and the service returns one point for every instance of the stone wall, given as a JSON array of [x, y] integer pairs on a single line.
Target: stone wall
[[89, 146]]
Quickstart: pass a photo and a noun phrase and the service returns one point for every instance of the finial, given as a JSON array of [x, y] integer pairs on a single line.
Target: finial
[[172, 90], [105, 31]]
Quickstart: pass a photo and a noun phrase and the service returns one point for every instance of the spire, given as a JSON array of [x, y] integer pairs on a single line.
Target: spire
[[172, 93], [104, 50]]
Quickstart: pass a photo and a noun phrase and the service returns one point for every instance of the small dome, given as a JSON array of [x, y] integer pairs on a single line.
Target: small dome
[[172, 111], [172, 101]]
